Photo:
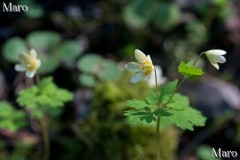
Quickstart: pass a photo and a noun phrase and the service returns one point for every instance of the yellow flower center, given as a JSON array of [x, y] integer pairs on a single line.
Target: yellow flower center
[[146, 67], [29, 61], [32, 65]]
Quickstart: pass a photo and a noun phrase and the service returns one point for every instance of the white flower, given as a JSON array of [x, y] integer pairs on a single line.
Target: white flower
[[160, 78], [143, 68], [29, 63], [215, 56]]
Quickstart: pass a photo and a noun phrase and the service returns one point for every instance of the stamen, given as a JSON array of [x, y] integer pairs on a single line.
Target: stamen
[[146, 67]]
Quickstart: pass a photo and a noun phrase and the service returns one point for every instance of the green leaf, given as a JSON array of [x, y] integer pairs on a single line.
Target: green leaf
[[137, 122], [35, 11], [87, 80], [136, 113], [109, 70], [152, 98], [161, 112], [204, 152], [47, 94], [27, 97], [70, 50], [189, 70], [136, 104], [89, 63], [166, 16], [43, 40], [143, 115], [167, 89], [181, 114], [179, 102], [12, 48], [11, 118], [103, 69], [148, 119], [49, 64], [138, 13], [184, 119]]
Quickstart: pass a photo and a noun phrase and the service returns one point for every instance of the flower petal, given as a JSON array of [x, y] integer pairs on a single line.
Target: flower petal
[[33, 53], [38, 63], [133, 67], [220, 59], [30, 74], [140, 56], [137, 77], [149, 58], [20, 67], [215, 65], [218, 52]]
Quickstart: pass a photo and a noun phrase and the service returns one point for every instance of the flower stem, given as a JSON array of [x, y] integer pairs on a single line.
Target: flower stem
[[158, 123]]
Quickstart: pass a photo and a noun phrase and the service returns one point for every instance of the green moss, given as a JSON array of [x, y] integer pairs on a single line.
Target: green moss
[[105, 135]]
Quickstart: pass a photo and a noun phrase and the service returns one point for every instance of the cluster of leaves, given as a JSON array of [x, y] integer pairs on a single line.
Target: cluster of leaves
[[51, 50], [94, 68], [44, 97], [11, 118], [173, 108], [118, 140]]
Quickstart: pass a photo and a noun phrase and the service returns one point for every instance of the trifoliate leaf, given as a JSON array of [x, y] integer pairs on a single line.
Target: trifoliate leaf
[[190, 70], [46, 94], [167, 89]]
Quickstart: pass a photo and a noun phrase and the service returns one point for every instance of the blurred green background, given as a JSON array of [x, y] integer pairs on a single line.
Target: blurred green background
[[84, 45]]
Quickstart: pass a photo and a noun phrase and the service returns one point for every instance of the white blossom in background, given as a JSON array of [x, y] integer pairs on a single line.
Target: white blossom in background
[[160, 78]]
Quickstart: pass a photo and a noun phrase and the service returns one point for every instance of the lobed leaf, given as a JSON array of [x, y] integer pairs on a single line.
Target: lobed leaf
[[47, 94], [190, 70]]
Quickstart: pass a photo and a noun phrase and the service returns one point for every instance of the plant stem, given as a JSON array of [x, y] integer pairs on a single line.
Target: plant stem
[[44, 126], [158, 123], [184, 78], [46, 142]]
